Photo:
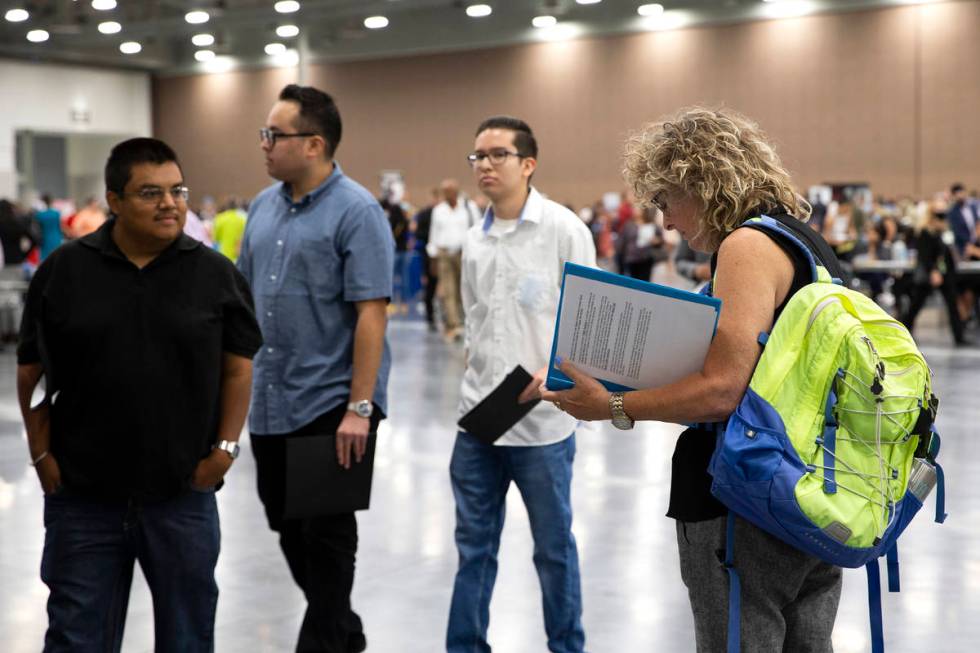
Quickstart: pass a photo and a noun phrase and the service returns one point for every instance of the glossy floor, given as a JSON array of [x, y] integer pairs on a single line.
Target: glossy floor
[[634, 599]]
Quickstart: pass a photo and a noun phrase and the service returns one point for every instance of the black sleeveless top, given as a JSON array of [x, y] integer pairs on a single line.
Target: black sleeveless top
[[690, 484]]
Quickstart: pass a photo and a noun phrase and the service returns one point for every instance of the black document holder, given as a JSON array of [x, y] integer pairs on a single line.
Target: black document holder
[[317, 485], [499, 411]]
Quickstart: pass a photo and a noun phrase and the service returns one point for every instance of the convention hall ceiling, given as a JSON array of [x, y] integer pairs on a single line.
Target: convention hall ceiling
[[245, 31]]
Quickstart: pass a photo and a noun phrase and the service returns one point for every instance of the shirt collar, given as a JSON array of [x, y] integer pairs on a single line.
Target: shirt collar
[[285, 190], [101, 241], [531, 211]]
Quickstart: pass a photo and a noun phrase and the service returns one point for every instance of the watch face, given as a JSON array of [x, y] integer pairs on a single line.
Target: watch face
[[363, 408]]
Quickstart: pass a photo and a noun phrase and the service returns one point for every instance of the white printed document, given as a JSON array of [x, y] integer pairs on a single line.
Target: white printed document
[[629, 334]]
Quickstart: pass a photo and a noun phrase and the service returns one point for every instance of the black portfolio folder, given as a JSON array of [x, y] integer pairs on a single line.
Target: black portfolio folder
[[499, 410], [317, 485]]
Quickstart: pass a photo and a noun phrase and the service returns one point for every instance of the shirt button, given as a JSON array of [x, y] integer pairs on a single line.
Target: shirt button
[[279, 242], [273, 277], [269, 386], [269, 314], [292, 210], [270, 350]]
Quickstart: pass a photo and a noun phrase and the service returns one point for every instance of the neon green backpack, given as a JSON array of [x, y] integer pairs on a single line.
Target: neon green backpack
[[832, 449]]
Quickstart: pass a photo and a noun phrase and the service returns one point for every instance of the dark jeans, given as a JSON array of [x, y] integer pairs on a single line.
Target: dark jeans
[[430, 280], [320, 551], [89, 550]]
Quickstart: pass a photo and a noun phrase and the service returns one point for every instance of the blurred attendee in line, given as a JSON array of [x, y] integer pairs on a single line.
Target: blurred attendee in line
[[603, 237], [935, 270], [819, 214], [451, 218], [430, 273], [18, 237], [319, 254], [641, 244], [962, 217], [970, 286], [840, 231], [87, 220], [512, 275], [196, 229], [880, 240], [229, 227], [401, 231], [146, 338], [49, 220]]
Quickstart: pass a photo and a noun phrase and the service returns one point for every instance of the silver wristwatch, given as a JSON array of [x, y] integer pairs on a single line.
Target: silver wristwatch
[[229, 447], [619, 417], [362, 408]]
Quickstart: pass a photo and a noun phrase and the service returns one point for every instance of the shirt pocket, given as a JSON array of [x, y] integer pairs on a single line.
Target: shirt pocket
[[315, 268], [535, 290]]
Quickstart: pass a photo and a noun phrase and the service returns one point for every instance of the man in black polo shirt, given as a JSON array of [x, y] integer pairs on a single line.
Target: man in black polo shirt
[[145, 339]]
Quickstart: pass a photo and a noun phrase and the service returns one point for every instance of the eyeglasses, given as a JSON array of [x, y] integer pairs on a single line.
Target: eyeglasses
[[270, 136], [660, 201], [497, 157], [154, 194]]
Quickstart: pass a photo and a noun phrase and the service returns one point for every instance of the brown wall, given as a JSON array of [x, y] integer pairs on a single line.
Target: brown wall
[[888, 96]]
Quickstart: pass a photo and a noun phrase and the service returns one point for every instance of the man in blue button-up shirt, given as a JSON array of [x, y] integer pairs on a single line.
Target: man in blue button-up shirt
[[319, 253]]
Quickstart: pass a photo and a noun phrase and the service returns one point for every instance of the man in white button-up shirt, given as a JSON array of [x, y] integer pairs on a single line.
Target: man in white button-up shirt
[[511, 282]]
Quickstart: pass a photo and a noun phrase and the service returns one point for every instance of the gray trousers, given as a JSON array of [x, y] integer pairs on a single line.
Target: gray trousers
[[789, 598]]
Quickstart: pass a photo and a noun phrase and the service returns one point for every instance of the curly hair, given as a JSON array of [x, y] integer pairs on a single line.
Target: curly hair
[[718, 157]]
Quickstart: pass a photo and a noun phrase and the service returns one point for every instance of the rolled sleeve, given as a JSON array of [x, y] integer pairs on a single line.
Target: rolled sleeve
[[369, 254]]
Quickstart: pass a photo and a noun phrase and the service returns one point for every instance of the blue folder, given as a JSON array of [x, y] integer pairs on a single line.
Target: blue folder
[[556, 379]]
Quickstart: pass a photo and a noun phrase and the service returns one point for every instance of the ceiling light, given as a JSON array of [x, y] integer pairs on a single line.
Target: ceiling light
[[197, 17], [544, 21], [204, 55], [287, 31], [788, 9], [16, 15], [588, 2], [130, 47], [654, 9], [287, 59], [219, 65], [37, 36], [478, 11], [375, 22], [103, 5], [274, 49], [110, 27], [287, 6], [202, 40]]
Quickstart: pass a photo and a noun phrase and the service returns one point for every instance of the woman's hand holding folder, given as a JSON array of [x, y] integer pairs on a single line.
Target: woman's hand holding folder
[[587, 400]]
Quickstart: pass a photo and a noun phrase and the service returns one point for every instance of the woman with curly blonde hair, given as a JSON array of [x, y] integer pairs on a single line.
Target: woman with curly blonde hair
[[709, 171]]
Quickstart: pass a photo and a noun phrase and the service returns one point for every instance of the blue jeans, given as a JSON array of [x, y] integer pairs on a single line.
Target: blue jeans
[[89, 549], [481, 475], [402, 286]]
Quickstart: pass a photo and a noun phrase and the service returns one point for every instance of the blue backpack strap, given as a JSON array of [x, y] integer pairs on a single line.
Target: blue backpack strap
[[935, 442], [874, 607], [940, 493], [893, 579], [734, 589], [765, 223]]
